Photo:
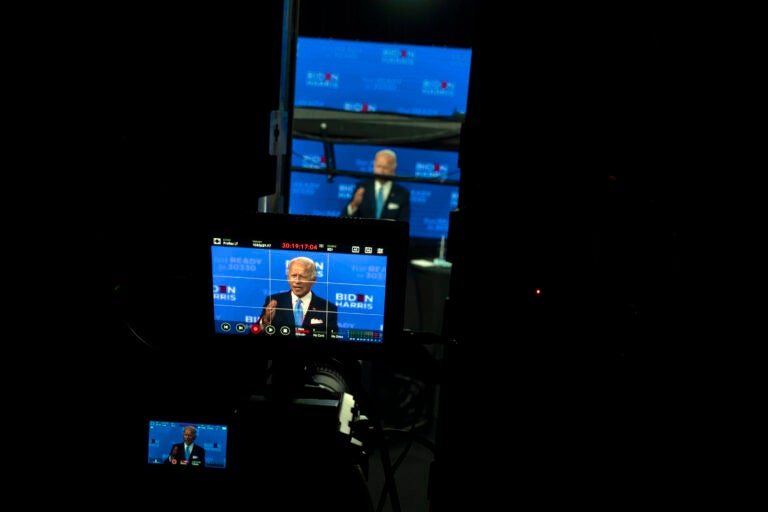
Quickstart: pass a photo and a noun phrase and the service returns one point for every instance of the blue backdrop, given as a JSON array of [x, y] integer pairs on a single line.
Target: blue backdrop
[[431, 203], [360, 76]]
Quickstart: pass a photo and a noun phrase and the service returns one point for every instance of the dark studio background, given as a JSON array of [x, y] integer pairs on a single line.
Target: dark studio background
[[582, 131]]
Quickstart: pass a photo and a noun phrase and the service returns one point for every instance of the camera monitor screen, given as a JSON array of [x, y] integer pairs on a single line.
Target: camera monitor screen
[[166, 444], [353, 271]]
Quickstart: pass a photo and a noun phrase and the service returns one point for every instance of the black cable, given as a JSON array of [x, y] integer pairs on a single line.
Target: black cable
[[390, 486], [412, 436]]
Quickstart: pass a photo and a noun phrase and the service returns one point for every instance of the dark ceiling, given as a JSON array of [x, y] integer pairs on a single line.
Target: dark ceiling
[[426, 22]]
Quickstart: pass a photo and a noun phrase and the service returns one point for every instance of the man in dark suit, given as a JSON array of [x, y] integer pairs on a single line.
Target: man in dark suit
[[380, 197], [187, 453], [315, 314]]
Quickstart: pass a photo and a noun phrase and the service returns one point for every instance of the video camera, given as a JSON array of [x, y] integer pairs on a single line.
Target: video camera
[[270, 401]]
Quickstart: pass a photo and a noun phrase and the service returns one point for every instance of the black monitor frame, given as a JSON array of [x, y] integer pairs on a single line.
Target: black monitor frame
[[266, 234]]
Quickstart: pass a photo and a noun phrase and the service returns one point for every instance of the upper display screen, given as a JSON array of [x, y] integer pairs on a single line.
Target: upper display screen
[[359, 76]]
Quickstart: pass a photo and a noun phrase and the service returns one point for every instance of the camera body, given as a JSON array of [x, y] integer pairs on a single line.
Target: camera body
[[269, 405]]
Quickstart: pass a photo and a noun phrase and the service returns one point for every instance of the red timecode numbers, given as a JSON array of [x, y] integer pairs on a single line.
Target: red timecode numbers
[[303, 246]]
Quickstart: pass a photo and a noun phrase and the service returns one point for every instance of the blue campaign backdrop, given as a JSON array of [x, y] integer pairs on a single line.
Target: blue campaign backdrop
[[362, 76], [313, 193]]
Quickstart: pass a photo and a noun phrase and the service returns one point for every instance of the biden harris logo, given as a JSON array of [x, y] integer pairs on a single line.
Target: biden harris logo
[[226, 293], [313, 161], [438, 88], [356, 106], [322, 79], [398, 56], [431, 170], [354, 301]]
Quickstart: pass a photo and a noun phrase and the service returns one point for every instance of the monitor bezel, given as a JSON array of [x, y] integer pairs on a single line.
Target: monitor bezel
[[392, 235], [179, 423]]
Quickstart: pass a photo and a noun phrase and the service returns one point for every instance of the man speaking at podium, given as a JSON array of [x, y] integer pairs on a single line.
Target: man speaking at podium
[[299, 308], [187, 453], [380, 198]]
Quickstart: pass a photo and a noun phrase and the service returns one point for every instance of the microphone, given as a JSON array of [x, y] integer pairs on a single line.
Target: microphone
[[328, 150]]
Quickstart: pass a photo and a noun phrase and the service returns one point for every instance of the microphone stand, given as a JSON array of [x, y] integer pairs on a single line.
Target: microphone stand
[[330, 157]]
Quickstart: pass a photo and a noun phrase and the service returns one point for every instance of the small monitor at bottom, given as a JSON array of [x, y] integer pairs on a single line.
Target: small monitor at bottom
[[167, 440]]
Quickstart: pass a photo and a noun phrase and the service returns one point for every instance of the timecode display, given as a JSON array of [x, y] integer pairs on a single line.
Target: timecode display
[[302, 246]]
